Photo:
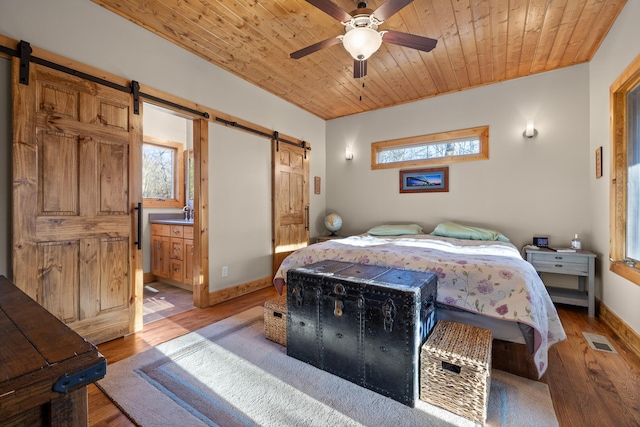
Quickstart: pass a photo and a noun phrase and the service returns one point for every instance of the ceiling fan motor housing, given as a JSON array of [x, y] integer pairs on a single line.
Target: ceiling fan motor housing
[[361, 38]]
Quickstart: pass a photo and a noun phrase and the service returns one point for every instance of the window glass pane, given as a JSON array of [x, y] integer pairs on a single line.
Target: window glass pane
[[633, 174], [158, 171], [462, 145], [191, 181], [430, 151]]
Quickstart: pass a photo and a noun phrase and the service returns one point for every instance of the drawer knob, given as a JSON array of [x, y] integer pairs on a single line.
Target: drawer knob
[[559, 265]]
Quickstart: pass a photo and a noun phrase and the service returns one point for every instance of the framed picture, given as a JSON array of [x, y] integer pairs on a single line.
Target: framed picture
[[598, 162], [424, 180], [316, 185]]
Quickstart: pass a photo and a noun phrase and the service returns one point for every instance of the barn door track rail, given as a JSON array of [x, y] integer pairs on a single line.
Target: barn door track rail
[[24, 51]]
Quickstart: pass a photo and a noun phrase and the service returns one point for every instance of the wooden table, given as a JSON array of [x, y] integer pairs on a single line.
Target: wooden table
[[44, 365]]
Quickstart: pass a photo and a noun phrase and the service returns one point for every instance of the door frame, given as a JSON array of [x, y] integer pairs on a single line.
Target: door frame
[[201, 191]]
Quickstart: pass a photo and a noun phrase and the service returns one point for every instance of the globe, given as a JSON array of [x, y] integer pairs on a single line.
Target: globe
[[333, 223]]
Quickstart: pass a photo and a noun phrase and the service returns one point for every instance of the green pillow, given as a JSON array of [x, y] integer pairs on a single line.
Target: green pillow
[[458, 231], [395, 230]]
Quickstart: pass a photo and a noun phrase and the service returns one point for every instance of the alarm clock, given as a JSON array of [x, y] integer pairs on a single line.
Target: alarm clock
[[541, 242]]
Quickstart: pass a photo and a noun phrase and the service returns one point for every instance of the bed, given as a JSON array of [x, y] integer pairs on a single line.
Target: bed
[[485, 283]]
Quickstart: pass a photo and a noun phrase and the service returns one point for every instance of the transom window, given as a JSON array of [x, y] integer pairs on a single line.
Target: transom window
[[447, 147], [162, 173]]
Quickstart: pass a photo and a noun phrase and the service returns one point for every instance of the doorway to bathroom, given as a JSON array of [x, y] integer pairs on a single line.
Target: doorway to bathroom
[[169, 220]]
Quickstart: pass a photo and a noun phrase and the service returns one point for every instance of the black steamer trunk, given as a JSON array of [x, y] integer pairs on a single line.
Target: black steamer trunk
[[363, 323]]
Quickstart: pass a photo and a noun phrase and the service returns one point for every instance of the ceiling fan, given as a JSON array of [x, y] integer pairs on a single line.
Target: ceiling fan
[[362, 38]]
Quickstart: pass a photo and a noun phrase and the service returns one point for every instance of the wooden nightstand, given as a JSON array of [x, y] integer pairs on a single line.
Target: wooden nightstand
[[580, 263], [325, 238]]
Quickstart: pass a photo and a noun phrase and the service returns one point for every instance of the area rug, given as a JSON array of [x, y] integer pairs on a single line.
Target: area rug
[[228, 374]]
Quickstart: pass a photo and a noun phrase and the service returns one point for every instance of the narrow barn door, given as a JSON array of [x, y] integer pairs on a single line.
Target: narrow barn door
[[290, 200], [74, 193]]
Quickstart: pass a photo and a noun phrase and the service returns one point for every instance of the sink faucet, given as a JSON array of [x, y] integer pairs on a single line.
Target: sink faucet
[[188, 213]]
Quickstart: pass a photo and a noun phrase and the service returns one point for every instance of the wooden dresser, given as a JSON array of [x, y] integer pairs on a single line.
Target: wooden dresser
[[44, 365]]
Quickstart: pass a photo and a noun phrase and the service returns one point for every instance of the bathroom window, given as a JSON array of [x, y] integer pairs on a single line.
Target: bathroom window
[[162, 173]]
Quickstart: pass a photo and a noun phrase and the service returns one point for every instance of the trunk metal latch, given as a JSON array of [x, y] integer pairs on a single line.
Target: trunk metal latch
[[337, 310], [389, 313], [297, 295]]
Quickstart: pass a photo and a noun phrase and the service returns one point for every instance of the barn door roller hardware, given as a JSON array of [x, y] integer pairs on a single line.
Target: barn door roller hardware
[[24, 51], [135, 91]]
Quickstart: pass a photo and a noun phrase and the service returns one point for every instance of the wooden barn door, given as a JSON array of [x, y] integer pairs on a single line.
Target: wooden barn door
[[290, 200], [74, 194]]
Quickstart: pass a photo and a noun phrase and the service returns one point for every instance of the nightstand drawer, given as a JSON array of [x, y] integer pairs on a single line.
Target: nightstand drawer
[[561, 263]]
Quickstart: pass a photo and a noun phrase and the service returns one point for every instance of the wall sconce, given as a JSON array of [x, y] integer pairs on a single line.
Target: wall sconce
[[530, 131], [348, 154]]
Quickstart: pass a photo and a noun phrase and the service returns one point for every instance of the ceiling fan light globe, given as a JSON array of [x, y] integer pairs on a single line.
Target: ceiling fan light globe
[[361, 43]]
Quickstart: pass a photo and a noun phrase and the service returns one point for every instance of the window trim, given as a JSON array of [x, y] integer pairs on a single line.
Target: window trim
[[178, 167], [629, 79], [482, 133]]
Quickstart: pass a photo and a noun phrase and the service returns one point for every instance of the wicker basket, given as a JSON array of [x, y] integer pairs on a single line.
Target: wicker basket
[[275, 320], [455, 369]]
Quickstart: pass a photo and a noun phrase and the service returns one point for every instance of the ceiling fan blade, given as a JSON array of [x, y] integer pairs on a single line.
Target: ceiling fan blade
[[331, 9], [359, 68], [389, 8], [315, 47], [424, 44]]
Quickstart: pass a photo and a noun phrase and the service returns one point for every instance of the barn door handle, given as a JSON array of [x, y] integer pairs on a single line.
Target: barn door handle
[[306, 221], [138, 242]]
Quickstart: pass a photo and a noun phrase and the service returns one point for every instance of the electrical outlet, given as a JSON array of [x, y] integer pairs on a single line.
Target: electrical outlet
[[225, 271]]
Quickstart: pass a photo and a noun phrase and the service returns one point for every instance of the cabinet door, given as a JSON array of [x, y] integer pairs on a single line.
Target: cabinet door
[[188, 261], [176, 270], [177, 247], [160, 255]]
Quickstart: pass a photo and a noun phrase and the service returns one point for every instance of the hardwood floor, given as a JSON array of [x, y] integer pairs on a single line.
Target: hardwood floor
[[162, 300], [588, 387]]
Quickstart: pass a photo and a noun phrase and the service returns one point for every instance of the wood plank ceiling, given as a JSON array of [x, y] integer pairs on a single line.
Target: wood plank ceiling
[[479, 42]]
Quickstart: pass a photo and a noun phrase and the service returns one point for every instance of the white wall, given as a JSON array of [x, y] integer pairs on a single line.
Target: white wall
[[90, 34], [615, 54], [240, 206], [528, 187]]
